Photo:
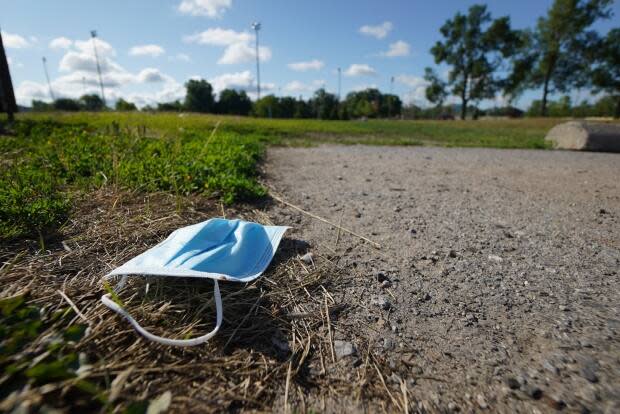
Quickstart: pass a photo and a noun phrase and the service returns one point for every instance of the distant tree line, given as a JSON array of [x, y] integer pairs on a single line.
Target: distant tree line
[[561, 53], [369, 103]]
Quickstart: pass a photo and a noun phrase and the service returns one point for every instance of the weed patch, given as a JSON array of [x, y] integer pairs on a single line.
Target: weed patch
[[44, 162]]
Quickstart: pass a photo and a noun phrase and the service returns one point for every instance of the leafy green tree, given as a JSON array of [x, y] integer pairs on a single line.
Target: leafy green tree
[[267, 107], [436, 90], [175, 106], [287, 107], [324, 104], [475, 46], [40, 106], [92, 102], [199, 96], [66, 104], [234, 103], [391, 105], [557, 54], [123, 105], [302, 109], [606, 74]]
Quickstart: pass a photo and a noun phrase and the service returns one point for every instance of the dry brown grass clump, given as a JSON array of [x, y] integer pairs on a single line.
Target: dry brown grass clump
[[274, 352]]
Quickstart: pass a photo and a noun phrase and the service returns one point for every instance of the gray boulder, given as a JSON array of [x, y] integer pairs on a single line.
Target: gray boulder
[[585, 136]]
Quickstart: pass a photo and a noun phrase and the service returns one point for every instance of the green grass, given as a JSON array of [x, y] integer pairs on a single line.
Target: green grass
[[504, 133], [45, 163]]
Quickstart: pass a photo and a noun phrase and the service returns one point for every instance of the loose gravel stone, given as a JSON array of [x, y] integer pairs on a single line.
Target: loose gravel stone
[[344, 348]]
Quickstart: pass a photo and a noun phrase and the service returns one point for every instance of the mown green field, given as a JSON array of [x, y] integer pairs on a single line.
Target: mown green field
[[504, 133], [49, 159]]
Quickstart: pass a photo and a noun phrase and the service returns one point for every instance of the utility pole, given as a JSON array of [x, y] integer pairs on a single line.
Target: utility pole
[[256, 26], [47, 76], [339, 83], [93, 35], [391, 97]]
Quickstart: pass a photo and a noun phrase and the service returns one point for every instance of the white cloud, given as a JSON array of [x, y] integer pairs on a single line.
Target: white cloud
[[358, 69], [398, 48], [219, 37], [60, 43], [209, 8], [243, 52], [314, 64], [239, 80], [150, 75], [297, 87], [379, 31], [417, 89], [14, 41], [238, 47], [147, 50], [26, 91]]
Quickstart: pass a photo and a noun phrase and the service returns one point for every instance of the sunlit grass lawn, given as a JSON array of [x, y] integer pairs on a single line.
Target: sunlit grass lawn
[[500, 133]]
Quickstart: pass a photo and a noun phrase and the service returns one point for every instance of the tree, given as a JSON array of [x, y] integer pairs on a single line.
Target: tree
[[199, 96], [175, 106], [436, 90], [324, 104], [475, 46], [40, 106], [123, 105], [91, 102], [66, 104], [391, 105], [606, 74], [557, 55], [267, 107], [234, 103]]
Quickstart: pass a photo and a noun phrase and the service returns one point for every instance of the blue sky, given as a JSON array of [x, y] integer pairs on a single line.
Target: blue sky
[[148, 49]]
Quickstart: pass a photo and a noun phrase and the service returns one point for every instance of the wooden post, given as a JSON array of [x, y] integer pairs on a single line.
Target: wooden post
[[7, 96]]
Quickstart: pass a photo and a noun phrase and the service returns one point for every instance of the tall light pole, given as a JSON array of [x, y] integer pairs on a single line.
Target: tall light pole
[[47, 76], [256, 26], [93, 35], [391, 97], [339, 83]]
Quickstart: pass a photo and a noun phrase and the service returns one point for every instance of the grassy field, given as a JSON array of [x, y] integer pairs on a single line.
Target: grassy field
[[504, 133]]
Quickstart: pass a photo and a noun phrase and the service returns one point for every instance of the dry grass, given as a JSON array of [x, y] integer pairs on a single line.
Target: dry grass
[[274, 351]]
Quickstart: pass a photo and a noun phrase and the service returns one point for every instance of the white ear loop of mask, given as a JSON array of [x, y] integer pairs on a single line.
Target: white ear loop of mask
[[107, 300]]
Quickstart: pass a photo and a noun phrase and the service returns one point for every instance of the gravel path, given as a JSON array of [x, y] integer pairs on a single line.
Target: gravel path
[[497, 285]]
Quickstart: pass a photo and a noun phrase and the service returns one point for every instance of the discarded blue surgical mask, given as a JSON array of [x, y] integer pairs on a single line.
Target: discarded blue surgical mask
[[218, 249]]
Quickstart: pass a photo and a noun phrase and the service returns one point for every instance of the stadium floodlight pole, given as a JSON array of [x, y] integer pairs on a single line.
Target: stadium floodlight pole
[[391, 93], [339, 82], [93, 35], [257, 26], [47, 76]]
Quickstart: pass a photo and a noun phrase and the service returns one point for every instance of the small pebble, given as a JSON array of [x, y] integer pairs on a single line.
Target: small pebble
[[534, 392], [512, 383], [452, 253], [386, 284], [495, 258], [344, 348], [481, 401]]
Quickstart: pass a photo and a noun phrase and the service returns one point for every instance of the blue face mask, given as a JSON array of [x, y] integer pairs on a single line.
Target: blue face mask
[[218, 249]]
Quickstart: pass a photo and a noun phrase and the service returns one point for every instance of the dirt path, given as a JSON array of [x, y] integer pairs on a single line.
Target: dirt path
[[497, 284]]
